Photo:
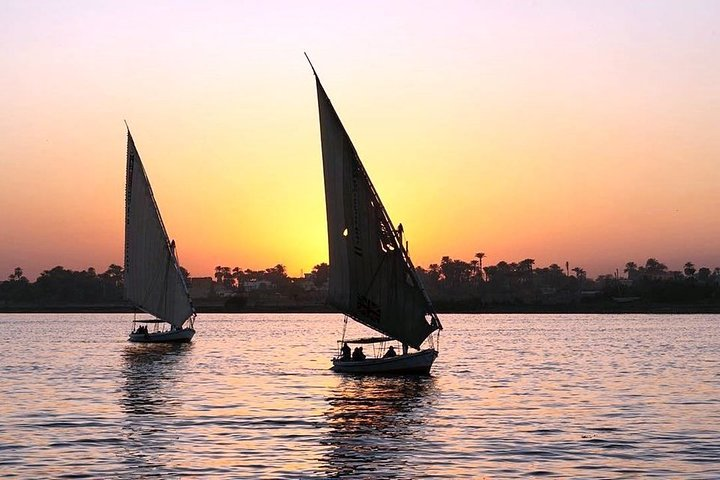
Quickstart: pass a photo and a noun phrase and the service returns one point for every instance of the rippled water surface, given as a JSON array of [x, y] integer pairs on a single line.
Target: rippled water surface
[[580, 396]]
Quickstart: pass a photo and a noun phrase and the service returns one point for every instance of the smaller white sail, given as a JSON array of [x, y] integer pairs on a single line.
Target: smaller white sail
[[153, 281]]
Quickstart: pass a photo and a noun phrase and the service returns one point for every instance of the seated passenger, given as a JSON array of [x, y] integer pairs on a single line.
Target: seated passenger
[[345, 352], [358, 354], [390, 352]]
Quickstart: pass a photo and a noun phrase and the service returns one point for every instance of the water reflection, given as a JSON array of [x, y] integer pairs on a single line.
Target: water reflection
[[152, 396], [150, 372], [375, 425]]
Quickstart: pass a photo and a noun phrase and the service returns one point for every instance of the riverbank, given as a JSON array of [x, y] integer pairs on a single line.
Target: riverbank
[[605, 307]]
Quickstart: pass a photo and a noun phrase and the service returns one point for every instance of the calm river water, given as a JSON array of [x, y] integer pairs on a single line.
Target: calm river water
[[580, 396]]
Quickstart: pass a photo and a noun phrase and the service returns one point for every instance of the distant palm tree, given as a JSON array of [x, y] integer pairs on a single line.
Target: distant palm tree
[[526, 265], [580, 273], [237, 275], [480, 256], [434, 272]]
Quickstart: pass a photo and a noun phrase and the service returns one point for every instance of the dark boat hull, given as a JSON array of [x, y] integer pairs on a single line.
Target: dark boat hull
[[418, 363], [173, 336]]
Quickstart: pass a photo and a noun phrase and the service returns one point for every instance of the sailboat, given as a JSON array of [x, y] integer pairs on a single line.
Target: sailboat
[[371, 277], [154, 283]]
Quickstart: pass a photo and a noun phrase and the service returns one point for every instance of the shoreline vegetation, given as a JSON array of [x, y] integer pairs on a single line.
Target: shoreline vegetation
[[609, 309], [455, 286]]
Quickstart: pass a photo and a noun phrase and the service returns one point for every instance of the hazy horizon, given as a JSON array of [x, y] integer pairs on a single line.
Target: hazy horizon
[[558, 131]]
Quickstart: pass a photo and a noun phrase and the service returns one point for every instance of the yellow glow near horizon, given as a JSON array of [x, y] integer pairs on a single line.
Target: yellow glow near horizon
[[560, 132]]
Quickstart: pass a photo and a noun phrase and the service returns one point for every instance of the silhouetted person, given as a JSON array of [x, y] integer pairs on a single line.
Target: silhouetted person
[[390, 352], [345, 352], [405, 348], [358, 354]]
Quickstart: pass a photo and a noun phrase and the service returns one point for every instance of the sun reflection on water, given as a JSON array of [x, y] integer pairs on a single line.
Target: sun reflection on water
[[150, 392], [374, 422]]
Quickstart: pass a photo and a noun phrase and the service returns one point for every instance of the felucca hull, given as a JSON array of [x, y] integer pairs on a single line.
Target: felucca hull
[[418, 363], [173, 336]]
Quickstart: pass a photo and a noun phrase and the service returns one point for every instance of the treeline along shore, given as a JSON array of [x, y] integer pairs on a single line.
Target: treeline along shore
[[455, 286]]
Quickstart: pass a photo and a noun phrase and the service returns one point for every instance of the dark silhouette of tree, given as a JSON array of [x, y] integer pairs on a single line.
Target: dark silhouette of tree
[[113, 275], [552, 276], [64, 286], [556, 269], [703, 274], [224, 276], [580, 273], [631, 269], [453, 283], [17, 288], [525, 269], [689, 269], [320, 273], [455, 273], [239, 277], [490, 272], [434, 273], [17, 275], [474, 264], [278, 276], [480, 256], [654, 267]]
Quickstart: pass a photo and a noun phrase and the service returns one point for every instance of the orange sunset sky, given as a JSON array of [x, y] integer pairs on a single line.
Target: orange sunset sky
[[580, 131]]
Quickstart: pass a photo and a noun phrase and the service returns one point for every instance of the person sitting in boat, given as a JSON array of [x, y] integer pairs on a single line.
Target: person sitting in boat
[[345, 352], [390, 352], [358, 354]]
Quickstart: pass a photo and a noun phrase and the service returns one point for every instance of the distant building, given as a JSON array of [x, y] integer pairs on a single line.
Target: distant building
[[201, 287], [221, 290], [254, 285], [307, 283]]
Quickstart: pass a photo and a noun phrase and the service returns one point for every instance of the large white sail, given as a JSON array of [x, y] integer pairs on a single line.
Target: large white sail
[[153, 281], [372, 278]]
